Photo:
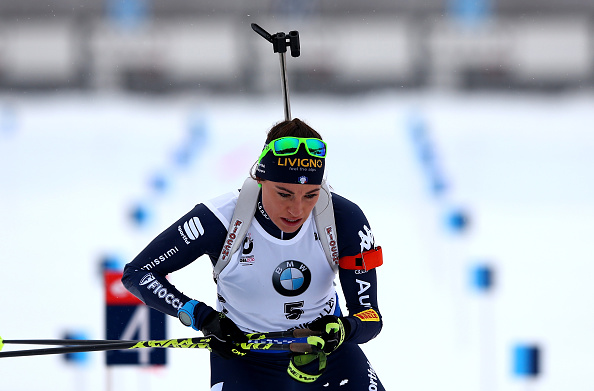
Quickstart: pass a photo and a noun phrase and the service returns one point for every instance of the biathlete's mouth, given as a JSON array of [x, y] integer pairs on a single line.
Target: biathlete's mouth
[[291, 222]]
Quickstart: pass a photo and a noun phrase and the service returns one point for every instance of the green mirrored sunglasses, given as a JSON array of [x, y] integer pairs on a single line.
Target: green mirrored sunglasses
[[286, 146]]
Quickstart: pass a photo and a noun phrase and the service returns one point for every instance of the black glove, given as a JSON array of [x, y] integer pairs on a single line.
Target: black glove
[[334, 331], [224, 335]]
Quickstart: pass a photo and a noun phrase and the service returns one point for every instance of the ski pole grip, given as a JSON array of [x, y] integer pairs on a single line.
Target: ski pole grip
[[301, 347], [302, 333]]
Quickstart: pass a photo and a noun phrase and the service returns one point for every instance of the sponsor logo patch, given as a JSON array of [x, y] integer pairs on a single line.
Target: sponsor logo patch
[[231, 237], [147, 278], [162, 258], [296, 162], [160, 291], [192, 230], [368, 316], [367, 239], [332, 243], [247, 261], [291, 278]]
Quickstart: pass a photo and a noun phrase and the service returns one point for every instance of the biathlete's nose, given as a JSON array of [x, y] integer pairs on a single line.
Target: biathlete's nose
[[296, 208]]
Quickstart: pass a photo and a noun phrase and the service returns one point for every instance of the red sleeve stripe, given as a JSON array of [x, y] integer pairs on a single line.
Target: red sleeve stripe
[[365, 261]]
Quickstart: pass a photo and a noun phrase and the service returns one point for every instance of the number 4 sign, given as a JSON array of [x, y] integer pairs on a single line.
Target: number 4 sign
[[127, 318]]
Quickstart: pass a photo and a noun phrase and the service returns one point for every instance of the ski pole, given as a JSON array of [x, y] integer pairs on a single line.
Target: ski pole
[[280, 41], [103, 346], [281, 337], [313, 344]]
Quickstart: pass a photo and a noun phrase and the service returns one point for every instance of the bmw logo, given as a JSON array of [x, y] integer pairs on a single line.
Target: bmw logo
[[291, 278]]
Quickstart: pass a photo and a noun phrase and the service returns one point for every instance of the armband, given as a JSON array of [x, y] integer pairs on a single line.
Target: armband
[[365, 261]]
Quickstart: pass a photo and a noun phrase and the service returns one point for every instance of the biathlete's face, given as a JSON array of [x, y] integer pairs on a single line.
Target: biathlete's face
[[288, 205]]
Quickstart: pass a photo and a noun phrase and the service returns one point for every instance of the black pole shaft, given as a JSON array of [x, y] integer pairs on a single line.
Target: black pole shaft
[[285, 86], [67, 342], [104, 345], [67, 349]]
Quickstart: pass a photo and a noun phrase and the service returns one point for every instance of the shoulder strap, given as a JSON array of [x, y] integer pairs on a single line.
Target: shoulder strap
[[240, 222], [244, 213], [326, 226]]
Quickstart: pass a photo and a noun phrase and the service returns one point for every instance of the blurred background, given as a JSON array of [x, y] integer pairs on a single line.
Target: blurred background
[[463, 128], [349, 46]]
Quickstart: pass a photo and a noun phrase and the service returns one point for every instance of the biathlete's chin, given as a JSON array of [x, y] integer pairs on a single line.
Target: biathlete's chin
[[290, 225]]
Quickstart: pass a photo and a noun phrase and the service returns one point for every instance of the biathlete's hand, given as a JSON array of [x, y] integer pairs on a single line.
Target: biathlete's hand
[[223, 331], [334, 331], [225, 335]]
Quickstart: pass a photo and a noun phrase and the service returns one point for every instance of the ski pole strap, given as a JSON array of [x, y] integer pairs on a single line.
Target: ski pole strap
[[301, 360]]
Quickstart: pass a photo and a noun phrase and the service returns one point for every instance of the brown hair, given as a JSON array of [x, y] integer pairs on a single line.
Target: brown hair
[[294, 128]]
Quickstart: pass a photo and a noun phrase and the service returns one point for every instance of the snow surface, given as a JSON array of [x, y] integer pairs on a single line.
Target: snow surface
[[73, 166]]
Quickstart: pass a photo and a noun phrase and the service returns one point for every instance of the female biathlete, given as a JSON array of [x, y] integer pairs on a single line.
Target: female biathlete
[[281, 277]]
